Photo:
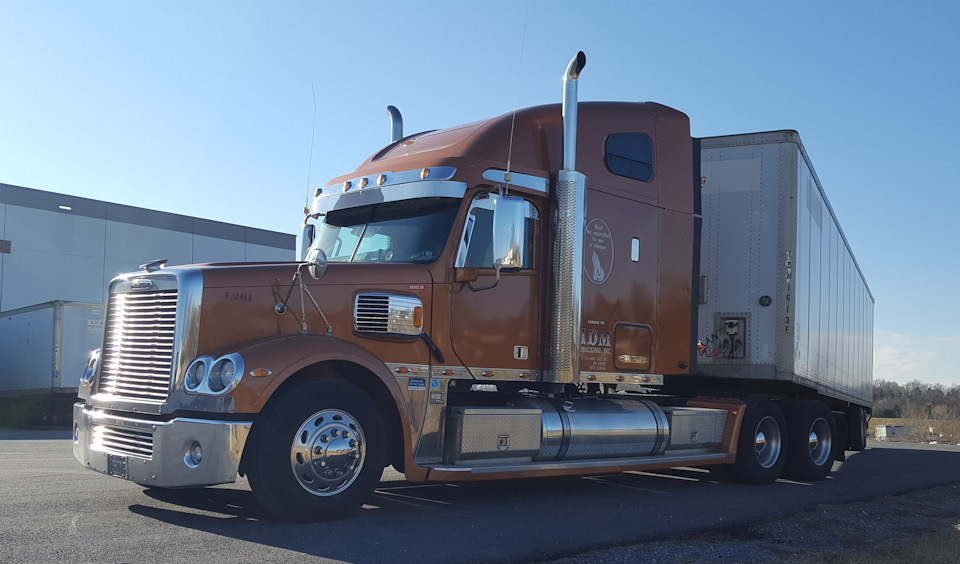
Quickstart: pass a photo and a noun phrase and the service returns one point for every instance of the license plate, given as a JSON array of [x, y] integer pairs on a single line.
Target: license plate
[[117, 465]]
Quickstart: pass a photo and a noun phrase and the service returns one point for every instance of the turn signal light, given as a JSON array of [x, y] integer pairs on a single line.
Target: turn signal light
[[418, 317]]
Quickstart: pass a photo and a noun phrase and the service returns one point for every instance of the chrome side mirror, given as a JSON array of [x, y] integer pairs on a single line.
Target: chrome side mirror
[[307, 236], [509, 224], [317, 263]]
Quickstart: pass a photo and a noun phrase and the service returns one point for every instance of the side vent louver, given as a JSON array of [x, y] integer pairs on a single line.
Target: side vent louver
[[388, 314]]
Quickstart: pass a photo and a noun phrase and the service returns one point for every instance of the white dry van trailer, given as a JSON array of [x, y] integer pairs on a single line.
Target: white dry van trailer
[[44, 349], [782, 298]]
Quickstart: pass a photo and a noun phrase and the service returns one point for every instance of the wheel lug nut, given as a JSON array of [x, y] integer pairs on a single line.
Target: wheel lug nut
[[318, 450]]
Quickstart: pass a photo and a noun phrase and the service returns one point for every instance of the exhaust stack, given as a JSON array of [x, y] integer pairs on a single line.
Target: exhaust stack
[[569, 111], [396, 124], [566, 284]]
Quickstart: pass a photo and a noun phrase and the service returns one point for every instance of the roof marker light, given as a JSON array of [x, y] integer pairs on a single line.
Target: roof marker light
[[424, 173]]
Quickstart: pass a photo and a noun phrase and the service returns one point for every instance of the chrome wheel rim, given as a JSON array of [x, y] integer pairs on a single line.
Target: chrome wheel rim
[[328, 452], [820, 442], [767, 442]]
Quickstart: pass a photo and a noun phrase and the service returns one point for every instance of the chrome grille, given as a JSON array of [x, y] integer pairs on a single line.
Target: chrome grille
[[388, 313], [116, 440], [138, 345]]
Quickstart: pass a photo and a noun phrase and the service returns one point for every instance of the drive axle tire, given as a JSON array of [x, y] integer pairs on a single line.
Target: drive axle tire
[[319, 452], [812, 440], [761, 445]]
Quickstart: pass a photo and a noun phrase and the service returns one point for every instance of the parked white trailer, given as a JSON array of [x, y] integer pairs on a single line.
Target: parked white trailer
[[781, 295], [44, 349]]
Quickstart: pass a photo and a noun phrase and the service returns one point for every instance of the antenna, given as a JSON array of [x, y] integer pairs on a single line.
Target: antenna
[[313, 134], [516, 96]]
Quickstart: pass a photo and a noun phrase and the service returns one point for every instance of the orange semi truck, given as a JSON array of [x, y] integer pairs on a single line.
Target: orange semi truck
[[570, 289]]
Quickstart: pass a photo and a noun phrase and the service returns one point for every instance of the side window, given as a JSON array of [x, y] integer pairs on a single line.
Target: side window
[[630, 155], [476, 244]]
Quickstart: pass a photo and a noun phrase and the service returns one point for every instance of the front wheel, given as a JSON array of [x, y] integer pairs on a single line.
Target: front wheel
[[319, 452]]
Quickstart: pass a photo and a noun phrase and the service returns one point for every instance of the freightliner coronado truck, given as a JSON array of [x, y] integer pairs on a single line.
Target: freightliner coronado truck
[[608, 295]]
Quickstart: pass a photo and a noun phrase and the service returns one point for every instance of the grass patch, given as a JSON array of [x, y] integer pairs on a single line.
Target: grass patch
[[931, 548]]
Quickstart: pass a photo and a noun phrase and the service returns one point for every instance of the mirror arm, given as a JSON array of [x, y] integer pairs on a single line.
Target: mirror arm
[[495, 282]]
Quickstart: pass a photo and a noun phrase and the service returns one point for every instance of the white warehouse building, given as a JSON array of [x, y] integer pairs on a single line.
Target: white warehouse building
[[58, 254], [60, 247]]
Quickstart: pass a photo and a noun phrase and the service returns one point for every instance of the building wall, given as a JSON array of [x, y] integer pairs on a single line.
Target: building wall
[[59, 247]]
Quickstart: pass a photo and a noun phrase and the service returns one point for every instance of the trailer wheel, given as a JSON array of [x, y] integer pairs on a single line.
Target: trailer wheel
[[856, 428], [319, 452], [761, 445], [812, 430]]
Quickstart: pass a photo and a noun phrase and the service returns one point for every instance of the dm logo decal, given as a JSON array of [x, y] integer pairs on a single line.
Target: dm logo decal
[[597, 251]]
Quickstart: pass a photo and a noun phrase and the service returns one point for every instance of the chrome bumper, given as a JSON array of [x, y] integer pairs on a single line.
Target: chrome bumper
[[158, 454]]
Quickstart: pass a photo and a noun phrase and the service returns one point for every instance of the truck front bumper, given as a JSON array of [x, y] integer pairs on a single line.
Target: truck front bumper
[[172, 454]]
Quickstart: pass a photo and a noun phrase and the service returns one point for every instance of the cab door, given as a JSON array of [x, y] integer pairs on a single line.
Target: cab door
[[495, 318]]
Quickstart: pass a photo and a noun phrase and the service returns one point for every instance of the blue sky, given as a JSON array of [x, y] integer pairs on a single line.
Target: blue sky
[[207, 109]]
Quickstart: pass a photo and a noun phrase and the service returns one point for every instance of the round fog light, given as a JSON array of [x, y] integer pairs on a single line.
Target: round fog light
[[194, 455]]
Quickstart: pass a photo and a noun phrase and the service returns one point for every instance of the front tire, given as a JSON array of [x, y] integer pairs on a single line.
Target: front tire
[[319, 452], [813, 434]]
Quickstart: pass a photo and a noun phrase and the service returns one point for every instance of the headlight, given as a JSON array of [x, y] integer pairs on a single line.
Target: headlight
[[196, 373], [92, 363], [217, 377], [85, 389], [221, 375]]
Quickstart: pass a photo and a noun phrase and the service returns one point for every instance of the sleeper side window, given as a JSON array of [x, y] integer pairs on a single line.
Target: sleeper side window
[[630, 155]]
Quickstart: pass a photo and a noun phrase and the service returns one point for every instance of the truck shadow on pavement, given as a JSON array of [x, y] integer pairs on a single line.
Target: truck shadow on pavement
[[496, 520]]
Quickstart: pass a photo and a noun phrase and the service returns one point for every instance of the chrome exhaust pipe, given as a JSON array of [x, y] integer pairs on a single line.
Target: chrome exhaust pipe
[[396, 124], [564, 308], [569, 111]]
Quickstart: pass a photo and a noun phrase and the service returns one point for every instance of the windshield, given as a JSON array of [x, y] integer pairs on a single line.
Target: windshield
[[405, 231]]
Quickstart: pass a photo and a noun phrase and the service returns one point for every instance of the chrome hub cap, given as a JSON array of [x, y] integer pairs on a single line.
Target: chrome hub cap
[[767, 442], [819, 442], [328, 452]]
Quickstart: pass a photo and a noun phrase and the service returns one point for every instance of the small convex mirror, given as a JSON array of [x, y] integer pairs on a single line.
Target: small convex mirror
[[509, 224], [317, 263]]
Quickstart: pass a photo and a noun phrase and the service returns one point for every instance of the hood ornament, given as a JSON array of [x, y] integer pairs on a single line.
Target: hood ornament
[[154, 265]]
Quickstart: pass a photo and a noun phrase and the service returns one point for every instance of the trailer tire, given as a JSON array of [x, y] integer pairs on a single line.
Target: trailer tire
[[812, 432], [761, 444], [319, 452], [856, 428]]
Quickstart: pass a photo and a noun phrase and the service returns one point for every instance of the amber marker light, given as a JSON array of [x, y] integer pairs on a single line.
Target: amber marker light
[[346, 185], [363, 182], [447, 372], [524, 375], [260, 372], [403, 370], [418, 317], [592, 377], [487, 374], [620, 378], [381, 179], [424, 173]]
